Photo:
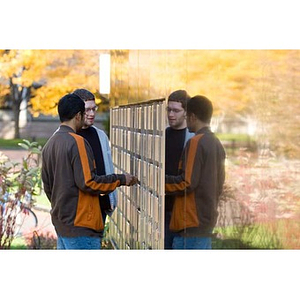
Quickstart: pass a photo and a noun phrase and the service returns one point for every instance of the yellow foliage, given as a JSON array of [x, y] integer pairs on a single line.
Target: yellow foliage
[[57, 72], [232, 79]]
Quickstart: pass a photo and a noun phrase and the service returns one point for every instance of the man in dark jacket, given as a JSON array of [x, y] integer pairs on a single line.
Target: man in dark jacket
[[70, 180], [177, 135], [200, 181]]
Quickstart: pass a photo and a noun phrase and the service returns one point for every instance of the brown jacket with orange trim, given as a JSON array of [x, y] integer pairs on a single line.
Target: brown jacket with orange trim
[[198, 185], [72, 186]]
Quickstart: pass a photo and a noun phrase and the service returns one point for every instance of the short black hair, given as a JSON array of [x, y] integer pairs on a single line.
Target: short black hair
[[84, 94], [180, 96], [68, 106], [201, 107]]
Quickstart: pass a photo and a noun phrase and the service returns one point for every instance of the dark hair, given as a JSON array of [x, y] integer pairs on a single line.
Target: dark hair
[[68, 106], [179, 96], [201, 107], [84, 94]]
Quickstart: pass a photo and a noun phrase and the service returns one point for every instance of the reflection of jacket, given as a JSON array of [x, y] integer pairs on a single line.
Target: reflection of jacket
[[109, 168], [72, 186], [173, 155], [198, 185]]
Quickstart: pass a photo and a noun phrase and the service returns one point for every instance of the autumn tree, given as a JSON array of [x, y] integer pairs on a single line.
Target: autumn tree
[[276, 101], [40, 77], [68, 70], [246, 85], [16, 69]]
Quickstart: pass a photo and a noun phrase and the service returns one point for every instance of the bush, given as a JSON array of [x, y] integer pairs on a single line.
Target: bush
[[260, 205], [18, 183]]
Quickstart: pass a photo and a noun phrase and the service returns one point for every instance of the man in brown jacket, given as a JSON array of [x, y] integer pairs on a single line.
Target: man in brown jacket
[[200, 180], [70, 180]]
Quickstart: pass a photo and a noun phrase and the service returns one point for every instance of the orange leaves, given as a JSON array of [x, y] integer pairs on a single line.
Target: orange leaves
[[55, 72]]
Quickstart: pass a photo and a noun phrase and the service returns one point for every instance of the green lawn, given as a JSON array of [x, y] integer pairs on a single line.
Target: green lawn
[[230, 137], [13, 143], [42, 200], [18, 243]]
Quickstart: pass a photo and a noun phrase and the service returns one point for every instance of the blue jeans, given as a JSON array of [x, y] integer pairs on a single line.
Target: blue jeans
[[180, 243], [79, 243], [169, 235]]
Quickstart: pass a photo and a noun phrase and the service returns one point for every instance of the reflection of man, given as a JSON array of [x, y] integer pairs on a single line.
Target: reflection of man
[[177, 135], [200, 181], [100, 146], [70, 182]]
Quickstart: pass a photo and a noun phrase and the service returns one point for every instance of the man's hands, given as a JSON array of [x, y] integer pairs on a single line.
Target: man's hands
[[131, 180]]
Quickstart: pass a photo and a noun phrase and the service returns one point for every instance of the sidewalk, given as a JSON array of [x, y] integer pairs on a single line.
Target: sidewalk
[[44, 221], [14, 154]]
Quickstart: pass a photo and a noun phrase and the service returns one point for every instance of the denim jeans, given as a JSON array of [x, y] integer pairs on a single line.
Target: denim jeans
[[80, 243], [191, 243], [169, 235]]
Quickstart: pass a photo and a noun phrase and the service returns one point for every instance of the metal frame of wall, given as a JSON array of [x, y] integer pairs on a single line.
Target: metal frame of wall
[[137, 136]]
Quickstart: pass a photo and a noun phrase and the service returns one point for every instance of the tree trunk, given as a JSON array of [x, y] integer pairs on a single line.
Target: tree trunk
[[17, 123], [18, 95]]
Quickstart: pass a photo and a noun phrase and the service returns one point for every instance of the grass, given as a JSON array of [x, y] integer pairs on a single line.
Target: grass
[[280, 234], [18, 243], [13, 143], [42, 200], [230, 137], [233, 142]]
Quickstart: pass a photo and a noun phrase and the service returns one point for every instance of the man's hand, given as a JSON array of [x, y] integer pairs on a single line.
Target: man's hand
[[131, 180]]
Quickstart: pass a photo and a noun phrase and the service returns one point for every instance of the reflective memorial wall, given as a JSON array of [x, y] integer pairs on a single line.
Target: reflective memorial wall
[[140, 75], [137, 135]]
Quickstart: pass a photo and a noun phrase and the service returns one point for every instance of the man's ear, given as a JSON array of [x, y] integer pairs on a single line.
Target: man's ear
[[193, 116], [78, 116]]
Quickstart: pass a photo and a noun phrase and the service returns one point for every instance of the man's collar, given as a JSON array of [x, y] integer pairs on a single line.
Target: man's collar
[[66, 128]]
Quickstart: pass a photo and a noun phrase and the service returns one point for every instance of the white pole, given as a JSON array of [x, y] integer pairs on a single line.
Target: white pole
[[104, 73]]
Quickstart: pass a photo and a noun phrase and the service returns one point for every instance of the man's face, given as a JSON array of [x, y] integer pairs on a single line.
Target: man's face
[[176, 115], [90, 112]]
